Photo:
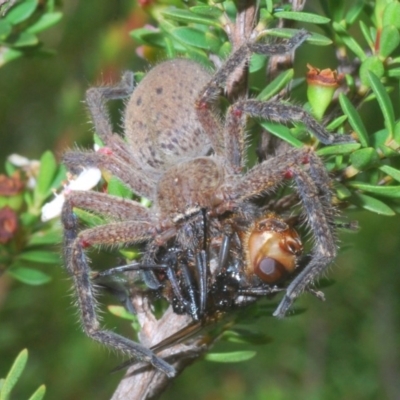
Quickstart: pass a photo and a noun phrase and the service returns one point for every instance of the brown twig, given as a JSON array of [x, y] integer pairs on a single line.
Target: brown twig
[[142, 381]]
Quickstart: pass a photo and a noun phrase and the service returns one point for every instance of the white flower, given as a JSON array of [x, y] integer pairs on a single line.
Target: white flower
[[53, 208], [86, 180], [31, 167]]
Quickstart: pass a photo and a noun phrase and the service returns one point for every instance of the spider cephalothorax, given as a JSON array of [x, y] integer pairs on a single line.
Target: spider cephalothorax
[[190, 163]]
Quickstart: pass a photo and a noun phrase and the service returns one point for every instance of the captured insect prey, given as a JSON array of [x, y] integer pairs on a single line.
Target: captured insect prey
[[209, 242]]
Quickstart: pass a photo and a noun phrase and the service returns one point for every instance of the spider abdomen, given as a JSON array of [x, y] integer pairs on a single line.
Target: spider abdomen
[[161, 124]]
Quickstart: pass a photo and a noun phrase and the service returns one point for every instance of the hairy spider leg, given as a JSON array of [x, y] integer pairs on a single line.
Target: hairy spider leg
[[323, 231], [116, 157], [232, 134], [96, 99], [193, 283], [77, 266], [268, 175]]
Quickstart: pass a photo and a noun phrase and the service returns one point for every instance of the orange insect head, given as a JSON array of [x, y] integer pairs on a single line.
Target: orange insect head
[[272, 248]]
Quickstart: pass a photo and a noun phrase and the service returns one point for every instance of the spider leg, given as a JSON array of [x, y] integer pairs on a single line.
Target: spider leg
[[236, 119], [96, 98], [190, 306], [240, 57], [189, 272], [202, 270], [233, 136], [264, 177], [113, 207], [136, 266], [284, 113], [228, 142], [133, 178], [201, 263], [323, 230], [190, 303], [116, 147], [194, 268], [316, 200], [77, 266]]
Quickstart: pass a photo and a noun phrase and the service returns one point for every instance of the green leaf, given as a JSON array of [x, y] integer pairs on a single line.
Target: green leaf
[[96, 139], [354, 12], [373, 64], [364, 158], [116, 188], [270, 5], [5, 28], [196, 37], [383, 100], [334, 125], [257, 62], [88, 218], [169, 49], [147, 36], [28, 219], [341, 191], [276, 85], [207, 11], [23, 39], [130, 253], [189, 17], [122, 312], [44, 22], [371, 204], [393, 172], [349, 41], [393, 73], [48, 167], [40, 256], [60, 177], [9, 54], [52, 236], [367, 35], [39, 393], [382, 139], [232, 357], [387, 191], [245, 336], [390, 39], [396, 135], [338, 149], [29, 276], [21, 11], [199, 56], [354, 119], [302, 16], [334, 9], [379, 138], [176, 44], [391, 14], [14, 374], [282, 132]]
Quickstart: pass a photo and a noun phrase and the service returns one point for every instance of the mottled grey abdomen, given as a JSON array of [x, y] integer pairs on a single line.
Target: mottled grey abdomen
[[161, 124]]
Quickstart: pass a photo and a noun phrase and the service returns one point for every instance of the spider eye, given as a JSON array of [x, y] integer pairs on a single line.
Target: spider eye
[[270, 270], [272, 248]]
